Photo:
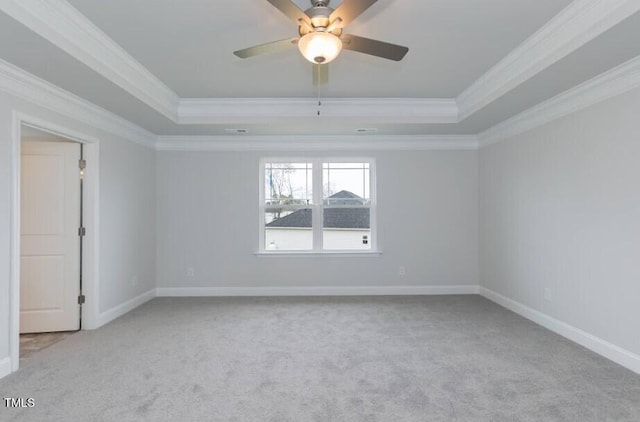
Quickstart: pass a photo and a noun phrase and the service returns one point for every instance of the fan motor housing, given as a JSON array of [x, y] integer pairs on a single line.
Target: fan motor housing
[[319, 16]]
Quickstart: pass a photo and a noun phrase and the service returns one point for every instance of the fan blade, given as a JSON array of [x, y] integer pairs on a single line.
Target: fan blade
[[350, 9], [373, 47], [291, 10], [270, 47], [320, 74]]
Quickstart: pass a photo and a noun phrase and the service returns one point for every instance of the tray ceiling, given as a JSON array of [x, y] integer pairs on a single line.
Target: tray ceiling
[[456, 78]]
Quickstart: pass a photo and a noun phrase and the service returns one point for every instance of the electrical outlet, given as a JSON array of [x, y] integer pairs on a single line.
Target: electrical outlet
[[134, 281], [401, 271], [190, 272], [547, 294]]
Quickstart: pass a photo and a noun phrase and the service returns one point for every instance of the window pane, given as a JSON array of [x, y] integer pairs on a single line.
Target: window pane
[[288, 184], [288, 230], [346, 228], [346, 183]]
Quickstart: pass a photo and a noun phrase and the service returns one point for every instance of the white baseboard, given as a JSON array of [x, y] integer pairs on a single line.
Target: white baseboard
[[317, 291], [5, 367], [123, 308], [610, 351]]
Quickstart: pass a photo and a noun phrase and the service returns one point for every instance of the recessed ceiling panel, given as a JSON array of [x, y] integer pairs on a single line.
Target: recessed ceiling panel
[[188, 44], [191, 51]]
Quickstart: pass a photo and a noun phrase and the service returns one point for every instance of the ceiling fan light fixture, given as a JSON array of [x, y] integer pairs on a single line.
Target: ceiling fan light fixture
[[320, 47]]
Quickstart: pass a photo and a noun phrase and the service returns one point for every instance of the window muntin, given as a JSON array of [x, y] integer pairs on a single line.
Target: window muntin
[[317, 205]]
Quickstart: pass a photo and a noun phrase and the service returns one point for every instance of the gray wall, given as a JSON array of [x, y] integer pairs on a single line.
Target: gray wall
[[207, 219], [127, 221], [127, 212], [560, 210]]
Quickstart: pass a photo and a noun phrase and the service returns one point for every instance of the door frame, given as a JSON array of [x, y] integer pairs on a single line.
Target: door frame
[[90, 276]]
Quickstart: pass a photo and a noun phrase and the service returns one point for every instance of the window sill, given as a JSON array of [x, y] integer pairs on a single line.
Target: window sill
[[327, 254]]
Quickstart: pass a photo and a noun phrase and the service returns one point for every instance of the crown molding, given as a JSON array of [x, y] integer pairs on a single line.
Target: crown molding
[[573, 27], [22, 84], [26, 86], [64, 26], [265, 110], [614, 82], [316, 143], [59, 22], [67, 28]]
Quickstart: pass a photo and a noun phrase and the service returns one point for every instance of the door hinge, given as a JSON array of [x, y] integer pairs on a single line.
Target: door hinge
[[82, 164], [80, 299], [82, 231]]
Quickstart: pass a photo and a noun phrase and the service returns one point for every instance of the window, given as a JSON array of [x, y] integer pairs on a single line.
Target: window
[[317, 205]]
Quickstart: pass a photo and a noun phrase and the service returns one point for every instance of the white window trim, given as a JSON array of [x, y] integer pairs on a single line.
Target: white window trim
[[317, 207], [350, 253]]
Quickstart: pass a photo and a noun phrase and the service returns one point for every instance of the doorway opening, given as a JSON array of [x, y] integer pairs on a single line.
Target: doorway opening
[[54, 236], [51, 172]]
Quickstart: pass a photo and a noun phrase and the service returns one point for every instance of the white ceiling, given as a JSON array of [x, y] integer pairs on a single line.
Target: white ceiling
[[187, 45]]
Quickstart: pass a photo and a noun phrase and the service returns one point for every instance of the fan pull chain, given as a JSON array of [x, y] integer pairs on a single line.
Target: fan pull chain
[[318, 87]]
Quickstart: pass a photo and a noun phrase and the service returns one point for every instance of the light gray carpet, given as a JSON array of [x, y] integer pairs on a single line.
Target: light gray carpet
[[388, 359]]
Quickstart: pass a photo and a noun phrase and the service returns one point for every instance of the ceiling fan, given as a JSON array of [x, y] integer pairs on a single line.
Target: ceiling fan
[[321, 37]]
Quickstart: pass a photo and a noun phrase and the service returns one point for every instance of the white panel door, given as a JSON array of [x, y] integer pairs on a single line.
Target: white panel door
[[50, 246]]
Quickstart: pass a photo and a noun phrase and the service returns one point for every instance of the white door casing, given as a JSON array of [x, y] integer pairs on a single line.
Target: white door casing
[[50, 245]]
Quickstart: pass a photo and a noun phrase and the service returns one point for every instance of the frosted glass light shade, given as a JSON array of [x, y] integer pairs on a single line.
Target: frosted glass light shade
[[320, 47]]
